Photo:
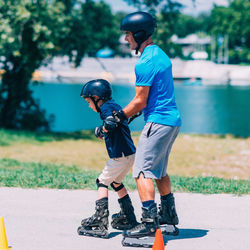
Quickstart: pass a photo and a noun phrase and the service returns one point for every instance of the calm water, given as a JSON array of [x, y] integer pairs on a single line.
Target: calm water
[[204, 109]]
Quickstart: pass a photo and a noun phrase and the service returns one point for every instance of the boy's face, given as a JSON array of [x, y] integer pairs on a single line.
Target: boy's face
[[91, 104]]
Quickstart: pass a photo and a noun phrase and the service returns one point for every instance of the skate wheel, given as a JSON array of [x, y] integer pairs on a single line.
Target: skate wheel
[[176, 231], [169, 229], [79, 231], [145, 242], [92, 233]]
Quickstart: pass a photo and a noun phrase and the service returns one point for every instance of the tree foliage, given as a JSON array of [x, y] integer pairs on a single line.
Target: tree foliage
[[34, 31], [187, 24], [233, 21]]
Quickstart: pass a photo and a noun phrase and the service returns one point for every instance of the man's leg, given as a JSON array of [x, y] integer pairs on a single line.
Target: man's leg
[[149, 209], [146, 188], [163, 185], [167, 211]]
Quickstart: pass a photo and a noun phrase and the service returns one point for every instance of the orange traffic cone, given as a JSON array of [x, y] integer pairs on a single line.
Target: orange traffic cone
[[159, 242], [3, 238]]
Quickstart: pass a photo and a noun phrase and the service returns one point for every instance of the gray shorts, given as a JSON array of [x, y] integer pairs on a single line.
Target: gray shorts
[[153, 149]]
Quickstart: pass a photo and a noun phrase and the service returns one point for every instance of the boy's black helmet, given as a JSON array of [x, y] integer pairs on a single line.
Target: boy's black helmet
[[140, 24], [98, 87]]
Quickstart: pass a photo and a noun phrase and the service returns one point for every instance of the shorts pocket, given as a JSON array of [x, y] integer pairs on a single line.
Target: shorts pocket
[[149, 130]]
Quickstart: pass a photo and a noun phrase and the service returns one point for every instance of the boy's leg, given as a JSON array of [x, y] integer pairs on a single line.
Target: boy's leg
[[116, 169], [120, 191], [125, 219], [102, 193], [97, 224]]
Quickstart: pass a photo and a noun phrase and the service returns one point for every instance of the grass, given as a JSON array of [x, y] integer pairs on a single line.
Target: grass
[[10, 137], [198, 163], [36, 175]]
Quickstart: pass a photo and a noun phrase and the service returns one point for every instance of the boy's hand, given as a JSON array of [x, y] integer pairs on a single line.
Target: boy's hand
[[99, 133], [120, 116]]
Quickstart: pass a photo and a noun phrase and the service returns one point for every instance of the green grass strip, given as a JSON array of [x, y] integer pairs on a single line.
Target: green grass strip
[[10, 137], [14, 173]]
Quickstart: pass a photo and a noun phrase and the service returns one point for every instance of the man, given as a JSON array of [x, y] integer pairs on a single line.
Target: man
[[155, 96]]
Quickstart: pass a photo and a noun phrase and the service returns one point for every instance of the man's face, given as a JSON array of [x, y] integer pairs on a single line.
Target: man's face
[[130, 39]]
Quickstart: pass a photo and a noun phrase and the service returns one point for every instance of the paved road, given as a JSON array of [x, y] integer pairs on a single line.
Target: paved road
[[45, 219]]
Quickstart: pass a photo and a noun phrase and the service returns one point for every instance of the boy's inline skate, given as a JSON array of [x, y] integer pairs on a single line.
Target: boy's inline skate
[[125, 219], [97, 224]]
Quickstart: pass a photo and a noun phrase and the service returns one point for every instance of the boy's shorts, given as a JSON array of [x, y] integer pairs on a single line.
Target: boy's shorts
[[116, 169], [153, 149]]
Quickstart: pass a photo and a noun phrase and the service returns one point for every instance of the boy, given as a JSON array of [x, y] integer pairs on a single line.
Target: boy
[[121, 151]]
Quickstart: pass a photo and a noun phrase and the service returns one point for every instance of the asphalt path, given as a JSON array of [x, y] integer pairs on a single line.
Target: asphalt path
[[42, 219]]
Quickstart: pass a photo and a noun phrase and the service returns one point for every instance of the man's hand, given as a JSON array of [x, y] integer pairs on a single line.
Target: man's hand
[[130, 119], [120, 116], [99, 133]]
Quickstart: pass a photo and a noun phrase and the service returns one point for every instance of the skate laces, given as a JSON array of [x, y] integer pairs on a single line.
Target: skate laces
[[160, 209], [138, 227]]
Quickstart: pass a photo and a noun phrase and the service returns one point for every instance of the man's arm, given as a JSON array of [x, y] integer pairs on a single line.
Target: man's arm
[[139, 102]]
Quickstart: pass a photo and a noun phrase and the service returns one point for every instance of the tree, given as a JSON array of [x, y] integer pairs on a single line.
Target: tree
[[233, 21], [187, 24], [166, 27], [34, 31]]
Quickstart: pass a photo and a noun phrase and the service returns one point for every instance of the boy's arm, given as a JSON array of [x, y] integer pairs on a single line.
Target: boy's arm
[[109, 123]]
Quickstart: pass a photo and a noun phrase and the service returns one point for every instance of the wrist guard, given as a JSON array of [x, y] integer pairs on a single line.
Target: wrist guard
[[99, 133], [120, 116], [110, 123]]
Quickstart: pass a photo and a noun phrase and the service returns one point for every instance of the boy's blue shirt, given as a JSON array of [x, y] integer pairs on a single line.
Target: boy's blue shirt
[[154, 69], [118, 141]]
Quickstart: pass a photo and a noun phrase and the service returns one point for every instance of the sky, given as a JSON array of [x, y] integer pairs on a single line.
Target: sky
[[200, 6]]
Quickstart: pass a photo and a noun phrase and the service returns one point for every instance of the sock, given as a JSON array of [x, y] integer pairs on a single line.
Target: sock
[[125, 197], [103, 199], [147, 204], [166, 197]]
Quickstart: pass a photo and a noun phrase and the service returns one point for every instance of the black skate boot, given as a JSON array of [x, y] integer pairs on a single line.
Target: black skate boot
[[143, 234], [125, 219], [167, 216], [97, 224]]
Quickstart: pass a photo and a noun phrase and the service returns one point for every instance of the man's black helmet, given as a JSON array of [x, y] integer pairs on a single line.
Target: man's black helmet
[[140, 24], [98, 87]]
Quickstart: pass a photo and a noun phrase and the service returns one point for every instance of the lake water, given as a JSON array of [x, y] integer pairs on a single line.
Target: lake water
[[204, 109]]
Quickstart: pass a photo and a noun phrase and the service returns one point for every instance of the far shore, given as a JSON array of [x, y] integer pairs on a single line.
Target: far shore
[[121, 71]]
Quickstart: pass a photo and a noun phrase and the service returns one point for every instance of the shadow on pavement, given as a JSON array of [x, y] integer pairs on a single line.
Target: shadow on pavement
[[186, 234], [114, 234]]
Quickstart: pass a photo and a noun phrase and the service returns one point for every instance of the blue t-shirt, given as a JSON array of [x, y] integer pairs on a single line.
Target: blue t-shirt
[[118, 141], [154, 69]]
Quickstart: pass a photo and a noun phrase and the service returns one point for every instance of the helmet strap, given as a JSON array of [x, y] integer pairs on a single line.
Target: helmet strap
[[138, 47], [95, 103], [140, 38]]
